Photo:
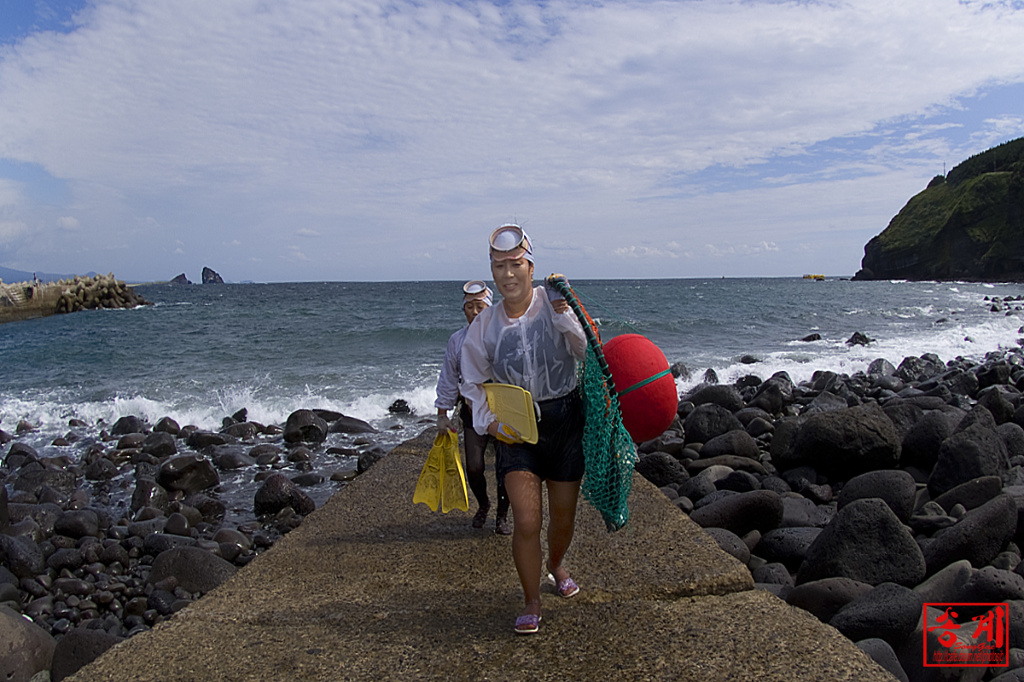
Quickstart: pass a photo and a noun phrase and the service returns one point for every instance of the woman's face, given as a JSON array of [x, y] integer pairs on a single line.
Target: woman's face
[[514, 279], [472, 309]]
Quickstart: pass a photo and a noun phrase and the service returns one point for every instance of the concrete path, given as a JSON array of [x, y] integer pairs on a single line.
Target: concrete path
[[371, 587]]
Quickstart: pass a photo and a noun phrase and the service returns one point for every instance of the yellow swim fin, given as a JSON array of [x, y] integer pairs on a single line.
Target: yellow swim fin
[[453, 480], [428, 487]]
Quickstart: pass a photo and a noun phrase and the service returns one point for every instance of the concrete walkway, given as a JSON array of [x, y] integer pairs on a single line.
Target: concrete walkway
[[371, 587]]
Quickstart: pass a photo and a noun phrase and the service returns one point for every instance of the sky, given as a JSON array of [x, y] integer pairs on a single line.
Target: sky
[[343, 140]]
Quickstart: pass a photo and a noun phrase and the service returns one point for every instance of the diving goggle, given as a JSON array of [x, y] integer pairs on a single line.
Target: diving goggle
[[476, 290], [507, 240]]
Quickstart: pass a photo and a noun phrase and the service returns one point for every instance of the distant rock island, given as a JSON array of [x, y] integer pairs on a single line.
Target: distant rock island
[[967, 225], [209, 276]]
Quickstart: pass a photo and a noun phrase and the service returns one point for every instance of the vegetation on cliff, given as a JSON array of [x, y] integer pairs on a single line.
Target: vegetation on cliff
[[967, 225]]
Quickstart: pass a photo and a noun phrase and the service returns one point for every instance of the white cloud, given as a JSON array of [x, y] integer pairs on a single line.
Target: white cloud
[[380, 127], [67, 223], [10, 230]]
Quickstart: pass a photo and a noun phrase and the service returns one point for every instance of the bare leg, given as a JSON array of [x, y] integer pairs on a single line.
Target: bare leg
[[475, 445], [524, 493], [562, 497]]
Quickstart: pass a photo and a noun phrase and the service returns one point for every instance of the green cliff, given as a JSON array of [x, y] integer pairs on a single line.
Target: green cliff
[[968, 225]]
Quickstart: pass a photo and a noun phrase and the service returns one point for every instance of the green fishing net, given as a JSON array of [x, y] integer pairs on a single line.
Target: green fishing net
[[607, 447]]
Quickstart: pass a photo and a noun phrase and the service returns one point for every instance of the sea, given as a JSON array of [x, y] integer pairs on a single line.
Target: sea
[[203, 352]]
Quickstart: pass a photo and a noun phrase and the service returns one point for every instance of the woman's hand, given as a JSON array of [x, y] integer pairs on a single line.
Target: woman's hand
[[505, 433], [559, 305]]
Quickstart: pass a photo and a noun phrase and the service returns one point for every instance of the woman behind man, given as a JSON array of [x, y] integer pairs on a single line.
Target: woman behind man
[[533, 341], [476, 298]]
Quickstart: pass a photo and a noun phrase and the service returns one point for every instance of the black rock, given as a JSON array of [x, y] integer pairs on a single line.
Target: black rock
[[661, 469], [211, 277], [966, 455], [846, 442], [305, 426], [867, 543], [889, 612], [823, 598], [895, 487], [742, 512], [195, 569], [882, 653], [707, 421], [187, 473], [787, 546], [278, 492], [736, 442], [977, 537], [77, 647], [718, 394]]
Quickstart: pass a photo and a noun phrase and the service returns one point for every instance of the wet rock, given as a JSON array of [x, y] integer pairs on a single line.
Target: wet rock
[[188, 474], [78, 647], [277, 493], [195, 570], [306, 427], [27, 648], [21, 555], [160, 444]]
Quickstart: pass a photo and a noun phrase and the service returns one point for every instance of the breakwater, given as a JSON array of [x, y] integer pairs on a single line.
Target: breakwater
[[28, 300]]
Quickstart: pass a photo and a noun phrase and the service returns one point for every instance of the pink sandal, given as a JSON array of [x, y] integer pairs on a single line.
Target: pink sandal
[[566, 588], [527, 624]]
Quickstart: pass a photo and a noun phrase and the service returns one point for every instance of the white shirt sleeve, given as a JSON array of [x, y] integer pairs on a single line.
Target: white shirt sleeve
[[476, 369], [448, 379], [572, 330]]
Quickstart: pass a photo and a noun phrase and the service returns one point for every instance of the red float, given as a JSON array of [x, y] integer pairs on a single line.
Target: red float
[[644, 382]]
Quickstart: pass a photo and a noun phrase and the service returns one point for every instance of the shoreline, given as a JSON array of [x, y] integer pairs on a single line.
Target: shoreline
[[162, 487]]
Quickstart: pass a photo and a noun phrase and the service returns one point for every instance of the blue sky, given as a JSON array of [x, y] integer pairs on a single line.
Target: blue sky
[[350, 140]]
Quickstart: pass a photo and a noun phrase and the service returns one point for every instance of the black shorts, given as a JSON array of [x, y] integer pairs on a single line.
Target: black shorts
[[558, 453]]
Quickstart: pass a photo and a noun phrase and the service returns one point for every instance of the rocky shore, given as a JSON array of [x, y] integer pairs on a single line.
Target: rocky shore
[[132, 522], [857, 498], [860, 498]]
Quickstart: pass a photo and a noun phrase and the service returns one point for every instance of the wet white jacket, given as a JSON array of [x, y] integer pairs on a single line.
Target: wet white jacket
[[537, 351], [450, 377]]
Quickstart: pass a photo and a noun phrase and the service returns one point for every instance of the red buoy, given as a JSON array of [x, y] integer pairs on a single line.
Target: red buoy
[[644, 382]]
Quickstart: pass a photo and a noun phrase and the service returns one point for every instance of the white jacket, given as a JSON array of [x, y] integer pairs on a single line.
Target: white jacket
[[537, 351]]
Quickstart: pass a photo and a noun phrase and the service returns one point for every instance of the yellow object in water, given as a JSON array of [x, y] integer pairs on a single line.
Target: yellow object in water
[[442, 481], [513, 405]]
